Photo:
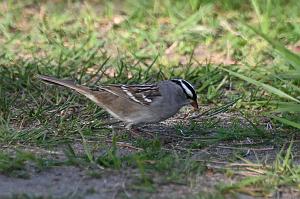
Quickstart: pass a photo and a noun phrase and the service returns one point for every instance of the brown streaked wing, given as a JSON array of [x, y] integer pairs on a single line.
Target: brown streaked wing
[[142, 94]]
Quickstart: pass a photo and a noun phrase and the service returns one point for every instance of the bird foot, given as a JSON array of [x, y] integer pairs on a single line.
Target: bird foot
[[133, 131]]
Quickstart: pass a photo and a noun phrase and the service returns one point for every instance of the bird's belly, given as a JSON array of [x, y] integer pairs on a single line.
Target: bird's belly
[[134, 117], [140, 114], [137, 118], [152, 117]]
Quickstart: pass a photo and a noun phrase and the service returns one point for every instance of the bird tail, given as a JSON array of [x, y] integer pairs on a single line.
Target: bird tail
[[69, 84]]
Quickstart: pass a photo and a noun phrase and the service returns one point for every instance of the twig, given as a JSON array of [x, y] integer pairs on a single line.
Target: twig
[[126, 145], [212, 161], [247, 165], [253, 149], [215, 111], [186, 149], [111, 123], [234, 164], [245, 173], [256, 170], [188, 138]]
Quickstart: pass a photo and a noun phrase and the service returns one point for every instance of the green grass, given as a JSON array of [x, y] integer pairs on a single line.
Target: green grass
[[14, 165], [283, 172], [242, 57]]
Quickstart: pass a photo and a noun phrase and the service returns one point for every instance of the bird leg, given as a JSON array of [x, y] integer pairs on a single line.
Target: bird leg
[[134, 131], [128, 126]]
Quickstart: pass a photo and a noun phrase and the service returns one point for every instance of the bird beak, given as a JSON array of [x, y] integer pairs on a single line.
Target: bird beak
[[195, 104]]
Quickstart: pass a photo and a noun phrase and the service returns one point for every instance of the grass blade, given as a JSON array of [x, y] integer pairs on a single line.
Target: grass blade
[[286, 121], [266, 87], [285, 53], [288, 107]]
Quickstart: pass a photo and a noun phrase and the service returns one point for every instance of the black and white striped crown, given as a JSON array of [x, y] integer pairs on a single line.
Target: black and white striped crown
[[187, 88]]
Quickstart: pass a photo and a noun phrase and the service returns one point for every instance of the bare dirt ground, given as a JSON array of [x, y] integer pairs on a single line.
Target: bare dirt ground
[[72, 182]]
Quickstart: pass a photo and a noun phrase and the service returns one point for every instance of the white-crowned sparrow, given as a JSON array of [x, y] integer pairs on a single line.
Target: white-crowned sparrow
[[136, 104]]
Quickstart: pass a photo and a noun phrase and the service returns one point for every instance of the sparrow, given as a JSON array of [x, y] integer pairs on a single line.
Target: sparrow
[[137, 104]]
